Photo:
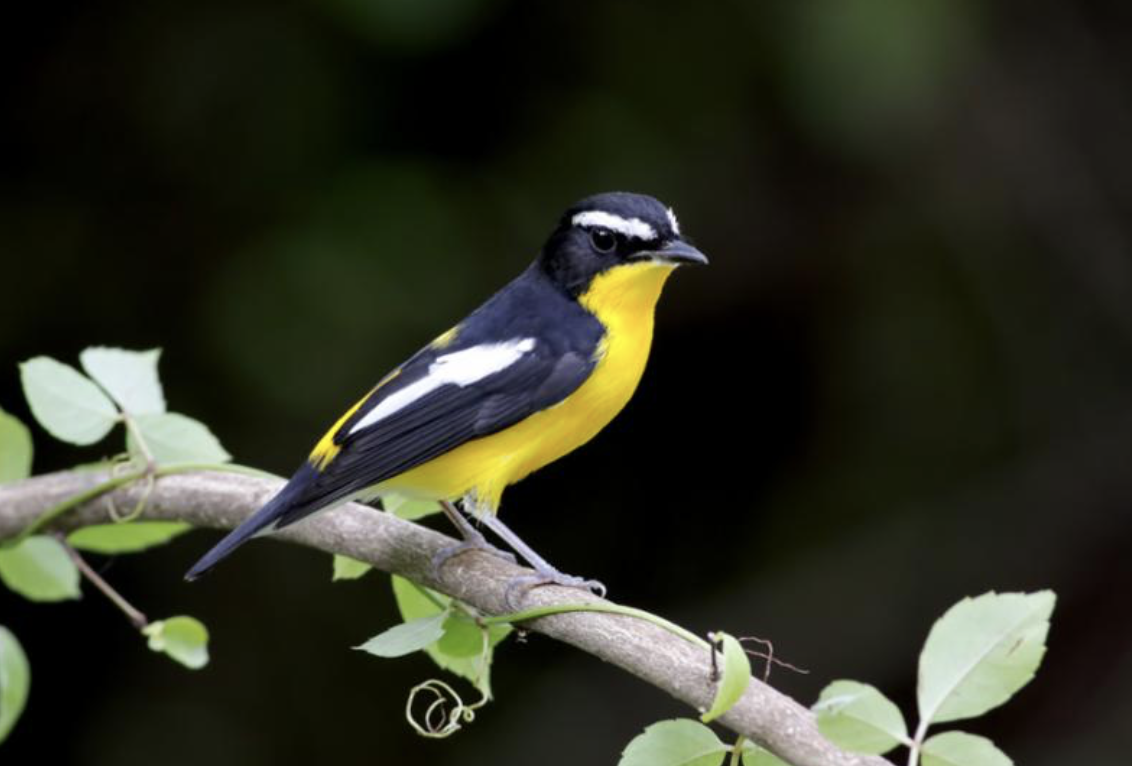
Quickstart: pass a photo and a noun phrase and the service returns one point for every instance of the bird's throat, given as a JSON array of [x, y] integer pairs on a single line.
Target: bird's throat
[[624, 297]]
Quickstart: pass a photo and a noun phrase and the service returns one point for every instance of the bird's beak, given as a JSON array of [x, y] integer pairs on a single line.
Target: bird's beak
[[679, 251]]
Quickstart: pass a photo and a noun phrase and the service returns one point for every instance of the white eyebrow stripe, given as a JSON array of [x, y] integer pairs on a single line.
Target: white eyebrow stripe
[[460, 368], [672, 220], [630, 227]]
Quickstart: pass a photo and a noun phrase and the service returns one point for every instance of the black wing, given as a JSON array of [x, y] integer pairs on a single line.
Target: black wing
[[438, 422], [346, 461]]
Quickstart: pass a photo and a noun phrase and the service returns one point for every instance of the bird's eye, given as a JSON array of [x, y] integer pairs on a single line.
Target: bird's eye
[[603, 240]]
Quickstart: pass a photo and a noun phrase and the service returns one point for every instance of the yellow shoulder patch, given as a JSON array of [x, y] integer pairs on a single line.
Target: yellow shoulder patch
[[326, 449], [445, 339]]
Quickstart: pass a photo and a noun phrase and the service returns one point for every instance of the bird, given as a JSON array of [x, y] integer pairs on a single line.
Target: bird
[[535, 372]]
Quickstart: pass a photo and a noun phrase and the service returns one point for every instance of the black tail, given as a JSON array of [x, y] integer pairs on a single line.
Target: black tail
[[288, 506]]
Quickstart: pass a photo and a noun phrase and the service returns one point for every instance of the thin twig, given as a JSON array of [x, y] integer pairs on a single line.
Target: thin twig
[[133, 614]]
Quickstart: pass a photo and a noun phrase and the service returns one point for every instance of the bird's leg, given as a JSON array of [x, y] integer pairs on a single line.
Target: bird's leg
[[545, 573], [473, 538]]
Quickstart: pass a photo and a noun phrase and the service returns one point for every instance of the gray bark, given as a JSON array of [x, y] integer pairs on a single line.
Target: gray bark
[[222, 500]]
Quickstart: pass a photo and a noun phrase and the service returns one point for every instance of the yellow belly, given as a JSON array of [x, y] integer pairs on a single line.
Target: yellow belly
[[623, 299]]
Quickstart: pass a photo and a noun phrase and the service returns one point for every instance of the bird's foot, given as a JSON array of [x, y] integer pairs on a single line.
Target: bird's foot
[[517, 586], [473, 541]]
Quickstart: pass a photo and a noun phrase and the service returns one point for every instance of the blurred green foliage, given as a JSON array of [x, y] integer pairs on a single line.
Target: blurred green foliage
[[905, 377]]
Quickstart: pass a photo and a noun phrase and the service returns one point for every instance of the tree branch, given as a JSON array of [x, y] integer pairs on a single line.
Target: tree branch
[[222, 500]]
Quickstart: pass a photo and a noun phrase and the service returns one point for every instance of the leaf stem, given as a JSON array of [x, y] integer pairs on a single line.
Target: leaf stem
[[134, 615], [917, 742], [737, 751], [132, 428], [627, 611]]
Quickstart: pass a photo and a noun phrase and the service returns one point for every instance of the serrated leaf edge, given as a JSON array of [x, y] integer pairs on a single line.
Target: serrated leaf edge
[[930, 717]]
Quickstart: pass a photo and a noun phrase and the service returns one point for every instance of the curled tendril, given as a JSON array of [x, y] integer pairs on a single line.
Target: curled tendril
[[118, 466], [439, 722]]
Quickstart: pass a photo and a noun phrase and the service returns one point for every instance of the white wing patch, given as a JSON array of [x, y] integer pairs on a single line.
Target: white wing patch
[[672, 220], [630, 227], [460, 368]]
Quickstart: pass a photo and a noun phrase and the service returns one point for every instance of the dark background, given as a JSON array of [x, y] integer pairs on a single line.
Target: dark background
[[905, 377]]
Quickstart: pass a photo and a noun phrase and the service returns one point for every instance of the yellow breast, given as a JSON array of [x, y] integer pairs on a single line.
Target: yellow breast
[[623, 299]]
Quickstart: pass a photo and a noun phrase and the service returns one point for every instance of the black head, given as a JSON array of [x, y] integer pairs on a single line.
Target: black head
[[609, 230]]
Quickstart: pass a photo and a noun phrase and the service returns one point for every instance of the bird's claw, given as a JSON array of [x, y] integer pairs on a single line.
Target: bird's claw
[[519, 585]]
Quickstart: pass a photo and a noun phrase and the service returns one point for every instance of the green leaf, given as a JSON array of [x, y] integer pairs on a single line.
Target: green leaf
[[346, 568], [182, 638], [679, 742], [753, 755], [15, 449], [462, 637], [734, 679], [957, 748], [415, 601], [39, 569], [406, 638], [66, 403], [129, 537], [981, 652], [175, 438], [497, 633], [130, 377], [15, 679], [858, 717], [406, 508]]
